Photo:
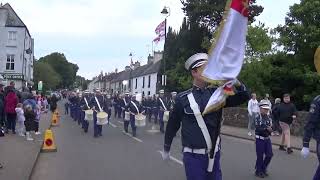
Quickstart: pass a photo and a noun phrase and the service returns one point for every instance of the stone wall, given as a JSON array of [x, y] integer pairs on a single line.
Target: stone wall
[[239, 117]]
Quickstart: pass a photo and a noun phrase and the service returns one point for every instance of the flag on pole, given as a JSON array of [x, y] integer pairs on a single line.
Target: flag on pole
[[159, 38], [227, 54], [161, 28]]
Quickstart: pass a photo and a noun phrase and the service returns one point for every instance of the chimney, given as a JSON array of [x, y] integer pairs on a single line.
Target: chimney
[[127, 68], [150, 59], [136, 64], [3, 16], [116, 70]]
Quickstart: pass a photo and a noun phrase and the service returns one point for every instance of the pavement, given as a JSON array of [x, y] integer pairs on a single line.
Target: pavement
[[18, 156], [296, 142], [119, 156]]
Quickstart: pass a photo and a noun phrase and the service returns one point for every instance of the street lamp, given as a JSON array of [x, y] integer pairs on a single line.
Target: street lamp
[[131, 64], [166, 12]]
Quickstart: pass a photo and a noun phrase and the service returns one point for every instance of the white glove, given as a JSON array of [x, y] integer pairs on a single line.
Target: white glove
[[305, 152], [165, 155]]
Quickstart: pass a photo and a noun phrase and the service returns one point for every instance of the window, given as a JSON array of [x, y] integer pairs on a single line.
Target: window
[[10, 62], [149, 93], [136, 83], [12, 35], [149, 81], [143, 82]]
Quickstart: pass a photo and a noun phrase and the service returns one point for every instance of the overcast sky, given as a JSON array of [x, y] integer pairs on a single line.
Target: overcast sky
[[98, 35]]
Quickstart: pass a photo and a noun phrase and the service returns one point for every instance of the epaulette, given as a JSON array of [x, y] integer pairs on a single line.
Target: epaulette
[[185, 93]]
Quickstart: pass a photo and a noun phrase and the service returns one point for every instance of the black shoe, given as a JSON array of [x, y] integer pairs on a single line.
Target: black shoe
[[13, 132], [265, 174], [281, 148], [289, 151], [1, 166], [6, 131], [260, 175]]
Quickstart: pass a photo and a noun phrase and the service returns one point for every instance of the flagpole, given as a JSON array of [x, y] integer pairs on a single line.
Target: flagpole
[[167, 14]]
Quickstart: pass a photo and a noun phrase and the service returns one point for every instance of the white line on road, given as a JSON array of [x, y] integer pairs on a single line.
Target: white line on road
[[174, 159], [137, 139], [113, 125]]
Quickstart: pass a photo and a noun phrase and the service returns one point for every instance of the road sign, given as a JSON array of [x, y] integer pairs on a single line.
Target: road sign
[[40, 84]]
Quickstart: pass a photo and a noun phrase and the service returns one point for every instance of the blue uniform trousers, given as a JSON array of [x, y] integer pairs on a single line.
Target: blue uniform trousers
[[97, 129], [119, 112], [317, 175], [79, 115], [264, 154], [196, 166], [71, 111], [155, 113], [149, 113], [109, 114], [132, 124], [161, 113]]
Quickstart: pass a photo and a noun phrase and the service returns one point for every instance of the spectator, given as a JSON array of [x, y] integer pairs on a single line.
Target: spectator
[[2, 98], [37, 119], [53, 103], [20, 119], [275, 117], [253, 110], [30, 117], [11, 101], [11, 88], [287, 112], [267, 99]]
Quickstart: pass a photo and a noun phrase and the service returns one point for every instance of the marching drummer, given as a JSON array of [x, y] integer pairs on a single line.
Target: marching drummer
[[172, 101], [162, 107], [148, 108], [95, 102], [154, 107], [79, 109], [108, 106], [85, 106], [124, 103], [134, 108]]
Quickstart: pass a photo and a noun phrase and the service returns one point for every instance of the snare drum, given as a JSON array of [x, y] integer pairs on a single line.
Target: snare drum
[[166, 116], [126, 116], [140, 120], [88, 115], [102, 118]]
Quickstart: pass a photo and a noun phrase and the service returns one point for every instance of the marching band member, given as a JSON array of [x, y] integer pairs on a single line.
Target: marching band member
[[201, 146], [263, 124], [85, 102], [162, 107], [172, 101], [154, 107], [95, 101], [108, 106], [312, 129], [149, 108], [134, 108]]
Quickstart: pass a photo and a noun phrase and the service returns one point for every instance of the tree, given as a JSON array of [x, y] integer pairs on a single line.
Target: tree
[[209, 12], [45, 73], [301, 32], [259, 43], [65, 69]]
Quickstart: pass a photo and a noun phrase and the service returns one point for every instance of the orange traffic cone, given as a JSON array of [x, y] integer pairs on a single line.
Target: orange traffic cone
[[48, 143], [55, 119]]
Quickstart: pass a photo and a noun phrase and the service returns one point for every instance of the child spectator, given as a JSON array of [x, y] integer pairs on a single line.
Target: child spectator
[[263, 143], [20, 119], [37, 119], [30, 116]]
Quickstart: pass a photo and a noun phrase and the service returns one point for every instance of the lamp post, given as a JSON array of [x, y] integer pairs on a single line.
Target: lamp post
[[130, 83], [166, 12]]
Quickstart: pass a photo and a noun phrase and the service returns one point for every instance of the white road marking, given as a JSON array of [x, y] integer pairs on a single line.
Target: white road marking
[[174, 159], [137, 139], [113, 125]]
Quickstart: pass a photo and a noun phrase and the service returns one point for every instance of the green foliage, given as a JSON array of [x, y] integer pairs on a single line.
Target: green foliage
[[259, 43], [44, 72], [301, 32], [209, 12], [65, 69]]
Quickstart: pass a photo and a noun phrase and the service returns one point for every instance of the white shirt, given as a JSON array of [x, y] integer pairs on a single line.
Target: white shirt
[[253, 106]]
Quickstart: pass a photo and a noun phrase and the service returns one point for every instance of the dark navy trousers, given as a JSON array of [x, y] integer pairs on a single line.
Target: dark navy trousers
[[161, 113], [196, 166], [264, 154], [97, 129], [317, 175], [132, 124]]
